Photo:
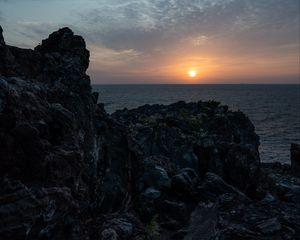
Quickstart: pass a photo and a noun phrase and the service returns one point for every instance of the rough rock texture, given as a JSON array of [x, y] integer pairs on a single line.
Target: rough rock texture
[[203, 136], [53, 135], [295, 158], [184, 171]]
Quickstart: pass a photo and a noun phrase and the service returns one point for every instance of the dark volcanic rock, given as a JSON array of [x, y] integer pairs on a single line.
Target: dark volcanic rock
[[295, 159], [183, 171], [54, 135], [203, 136], [36, 213], [2, 43], [185, 181]]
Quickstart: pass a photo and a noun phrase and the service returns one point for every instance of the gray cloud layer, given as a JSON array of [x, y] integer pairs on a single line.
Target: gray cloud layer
[[142, 24]]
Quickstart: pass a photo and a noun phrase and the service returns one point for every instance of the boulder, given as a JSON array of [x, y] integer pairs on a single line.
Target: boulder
[[214, 186]]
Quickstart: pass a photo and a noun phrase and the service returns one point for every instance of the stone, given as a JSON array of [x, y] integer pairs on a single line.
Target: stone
[[214, 186], [2, 43], [109, 234], [242, 164], [295, 159], [96, 97], [269, 226], [293, 194], [185, 181]]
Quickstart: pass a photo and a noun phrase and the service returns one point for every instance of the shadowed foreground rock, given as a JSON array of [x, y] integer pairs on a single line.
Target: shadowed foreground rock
[[183, 171]]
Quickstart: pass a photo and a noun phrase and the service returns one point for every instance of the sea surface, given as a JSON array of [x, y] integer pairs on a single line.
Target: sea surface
[[274, 109]]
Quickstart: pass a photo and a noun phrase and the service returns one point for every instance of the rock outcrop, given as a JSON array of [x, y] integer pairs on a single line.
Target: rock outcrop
[[54, 135], [184, 171]]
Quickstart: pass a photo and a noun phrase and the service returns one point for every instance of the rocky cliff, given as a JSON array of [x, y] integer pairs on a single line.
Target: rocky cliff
[[71, 171]]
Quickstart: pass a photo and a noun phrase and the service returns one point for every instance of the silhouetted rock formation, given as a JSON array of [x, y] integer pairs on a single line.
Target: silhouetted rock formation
[[53, 135], [71, 171]]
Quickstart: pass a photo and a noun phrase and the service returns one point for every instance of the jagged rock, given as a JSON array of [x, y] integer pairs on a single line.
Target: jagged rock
[[69, 46], [295, 159], [52, 132], [2, 52], [197, 136], [35, 213], [2, 43], [71, 171]]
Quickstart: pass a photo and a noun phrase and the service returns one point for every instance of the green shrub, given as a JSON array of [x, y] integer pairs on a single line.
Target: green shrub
[[152, 228]]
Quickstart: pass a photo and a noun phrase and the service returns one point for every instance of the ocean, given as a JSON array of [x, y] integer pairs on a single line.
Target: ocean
[[273, 109]]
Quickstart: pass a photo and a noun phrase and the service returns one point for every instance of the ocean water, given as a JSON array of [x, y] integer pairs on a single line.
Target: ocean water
[[273, 109]]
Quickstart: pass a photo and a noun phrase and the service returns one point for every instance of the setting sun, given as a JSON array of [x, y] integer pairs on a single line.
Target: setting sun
[[192, 73]]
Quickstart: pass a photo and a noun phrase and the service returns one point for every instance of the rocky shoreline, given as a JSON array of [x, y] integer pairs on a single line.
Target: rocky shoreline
[[69, 170]]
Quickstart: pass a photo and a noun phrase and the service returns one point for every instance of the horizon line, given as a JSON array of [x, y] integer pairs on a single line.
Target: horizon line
[[196, 83]]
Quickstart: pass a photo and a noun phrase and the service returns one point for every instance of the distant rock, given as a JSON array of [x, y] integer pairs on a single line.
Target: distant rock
[[203, 136], [295, 158]]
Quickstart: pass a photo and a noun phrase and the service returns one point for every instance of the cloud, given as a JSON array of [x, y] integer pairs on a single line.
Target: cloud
[[148, 36], [144, 24], [1, 17], [240, 33], [109, 58]]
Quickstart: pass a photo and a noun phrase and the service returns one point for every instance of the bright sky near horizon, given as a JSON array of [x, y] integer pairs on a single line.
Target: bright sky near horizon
[[169, 41]]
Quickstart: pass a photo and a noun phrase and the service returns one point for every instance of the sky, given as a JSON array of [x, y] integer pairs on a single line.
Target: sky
[[163, 41]]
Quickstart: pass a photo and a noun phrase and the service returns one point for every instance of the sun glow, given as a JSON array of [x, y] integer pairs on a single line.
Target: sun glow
[[192, 73]]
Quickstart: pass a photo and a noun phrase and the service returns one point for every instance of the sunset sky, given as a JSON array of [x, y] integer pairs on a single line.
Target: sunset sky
[[162, 41]]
